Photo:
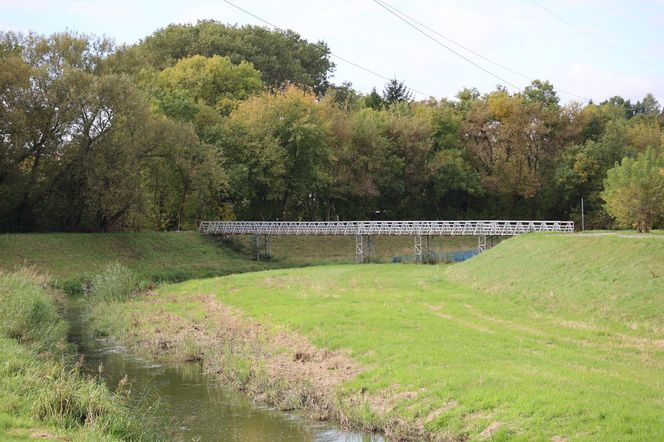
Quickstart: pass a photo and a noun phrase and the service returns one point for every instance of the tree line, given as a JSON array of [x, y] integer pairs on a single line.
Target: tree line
[[210, 121]]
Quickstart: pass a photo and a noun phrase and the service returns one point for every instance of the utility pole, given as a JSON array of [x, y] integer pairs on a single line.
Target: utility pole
[[583, 224]]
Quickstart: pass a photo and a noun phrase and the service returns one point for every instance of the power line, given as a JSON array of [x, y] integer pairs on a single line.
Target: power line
[[495, 63], [643, 16], [454, 42], [591, 36], [331, 53], [445, 46]]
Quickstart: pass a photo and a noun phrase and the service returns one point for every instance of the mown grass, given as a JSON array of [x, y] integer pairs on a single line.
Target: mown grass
[[42, 394], [610, 277], [560, 338]]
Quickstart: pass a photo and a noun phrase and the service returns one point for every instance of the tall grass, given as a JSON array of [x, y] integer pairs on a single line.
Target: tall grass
[[30, 312], [39, 389], [115, 283], [50, 393]]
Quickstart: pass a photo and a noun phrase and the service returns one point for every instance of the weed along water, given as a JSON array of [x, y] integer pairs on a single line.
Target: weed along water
[[191, 405]]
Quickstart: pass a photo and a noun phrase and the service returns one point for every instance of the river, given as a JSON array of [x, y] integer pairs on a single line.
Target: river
[[191, 405]]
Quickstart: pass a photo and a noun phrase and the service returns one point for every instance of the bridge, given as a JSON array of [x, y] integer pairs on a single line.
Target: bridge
[[364, 231]]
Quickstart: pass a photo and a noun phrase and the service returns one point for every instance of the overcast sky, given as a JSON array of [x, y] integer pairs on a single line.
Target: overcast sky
[[627, 60]]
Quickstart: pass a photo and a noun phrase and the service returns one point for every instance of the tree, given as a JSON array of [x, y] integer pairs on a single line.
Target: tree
[[276, 150], [634, 190], [648, 106], [344, 96], [627, 107], [373, 100], [80, 148], [55, 111], [395, 91], [541, 92], [215, 81], [281, 56]]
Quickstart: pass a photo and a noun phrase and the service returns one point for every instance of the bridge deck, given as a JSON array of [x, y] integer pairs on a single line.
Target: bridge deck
[[404, 228]]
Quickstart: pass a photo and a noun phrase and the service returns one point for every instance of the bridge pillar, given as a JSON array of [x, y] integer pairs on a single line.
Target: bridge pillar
[[262, 245], [422, 248], [481, 243], [364, 248], [359, 249]]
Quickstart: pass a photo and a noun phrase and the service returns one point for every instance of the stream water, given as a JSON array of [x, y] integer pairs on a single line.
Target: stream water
[[192, 406]]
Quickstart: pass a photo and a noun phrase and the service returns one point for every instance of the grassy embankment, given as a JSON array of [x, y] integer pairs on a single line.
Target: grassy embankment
[[74, 257], [545, 337], [42, 396], [179, 256]]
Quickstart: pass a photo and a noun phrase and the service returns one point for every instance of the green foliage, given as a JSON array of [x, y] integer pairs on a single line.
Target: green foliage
[[29, 312], [541, 92], [101, 162], [634, 190], [281, 57], [396, 92], [277, 151], [373, 100], [198, 81], [211, 121]]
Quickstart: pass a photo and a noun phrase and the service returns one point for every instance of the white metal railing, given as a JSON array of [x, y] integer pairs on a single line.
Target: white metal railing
[[405, 228]]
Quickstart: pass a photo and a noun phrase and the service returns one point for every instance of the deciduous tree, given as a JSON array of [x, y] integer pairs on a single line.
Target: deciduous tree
[[634, 190]]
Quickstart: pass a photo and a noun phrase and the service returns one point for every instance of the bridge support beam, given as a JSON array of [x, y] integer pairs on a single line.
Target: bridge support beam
[[422, 248], [262, 245], [481, 243], [364, 248]]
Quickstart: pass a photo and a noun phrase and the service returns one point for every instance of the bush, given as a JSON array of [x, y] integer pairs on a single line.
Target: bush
[[115, 283], [29, 311]]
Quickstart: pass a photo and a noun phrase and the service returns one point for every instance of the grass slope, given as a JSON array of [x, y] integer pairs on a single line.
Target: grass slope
[[168, 256], [562, 342], [614, 278], [178, 256]]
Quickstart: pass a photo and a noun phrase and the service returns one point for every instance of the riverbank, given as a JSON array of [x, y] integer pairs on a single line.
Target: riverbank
[[157, 257], [71, 259], [274, 366], [43, 395], [430, 356]]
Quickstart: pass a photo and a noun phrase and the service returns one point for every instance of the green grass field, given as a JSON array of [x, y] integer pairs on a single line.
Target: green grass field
[[560, 337]]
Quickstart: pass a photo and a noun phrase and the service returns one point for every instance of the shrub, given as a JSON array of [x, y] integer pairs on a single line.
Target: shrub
[[29, 311], [115, 283]]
